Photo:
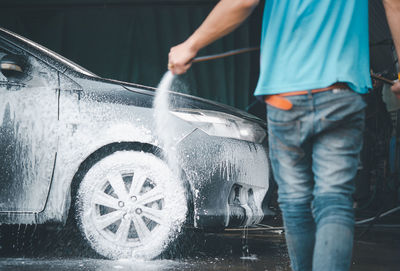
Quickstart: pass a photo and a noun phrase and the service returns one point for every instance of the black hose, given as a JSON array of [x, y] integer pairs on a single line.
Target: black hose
[[225, 54], [371, 219]]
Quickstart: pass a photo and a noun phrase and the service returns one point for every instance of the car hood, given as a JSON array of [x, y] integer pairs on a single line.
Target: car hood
[[182, 101]]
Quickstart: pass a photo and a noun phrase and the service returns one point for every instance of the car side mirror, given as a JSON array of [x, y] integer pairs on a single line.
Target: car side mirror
[[14, 67]]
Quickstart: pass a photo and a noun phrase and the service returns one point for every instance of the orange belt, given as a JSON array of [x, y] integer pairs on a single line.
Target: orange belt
[[278, 100]]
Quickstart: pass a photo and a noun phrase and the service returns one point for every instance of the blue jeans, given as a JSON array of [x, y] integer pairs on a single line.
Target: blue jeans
[[314, 149]]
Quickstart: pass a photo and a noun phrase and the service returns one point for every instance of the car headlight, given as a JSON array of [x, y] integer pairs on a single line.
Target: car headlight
[[223, 125]]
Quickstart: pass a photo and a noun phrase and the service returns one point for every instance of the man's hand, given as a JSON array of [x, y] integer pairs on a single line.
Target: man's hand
[[180, 58], [396, 89]]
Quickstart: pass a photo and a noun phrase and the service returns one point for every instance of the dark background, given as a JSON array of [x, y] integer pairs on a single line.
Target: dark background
[[129, 40]]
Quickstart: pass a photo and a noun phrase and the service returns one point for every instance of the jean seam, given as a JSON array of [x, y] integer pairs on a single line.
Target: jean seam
[[277, 144]]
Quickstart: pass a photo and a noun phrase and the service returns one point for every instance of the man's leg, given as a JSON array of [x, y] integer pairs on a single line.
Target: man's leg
[[290, 156], [336, 146]]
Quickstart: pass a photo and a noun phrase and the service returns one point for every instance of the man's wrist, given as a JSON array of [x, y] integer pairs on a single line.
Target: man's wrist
[[192, 45]]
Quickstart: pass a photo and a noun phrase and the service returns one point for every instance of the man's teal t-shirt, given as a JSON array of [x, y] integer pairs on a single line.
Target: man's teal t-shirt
[[309, 44]]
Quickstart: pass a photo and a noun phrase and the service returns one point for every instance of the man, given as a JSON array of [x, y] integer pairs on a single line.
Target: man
[[314, 66]]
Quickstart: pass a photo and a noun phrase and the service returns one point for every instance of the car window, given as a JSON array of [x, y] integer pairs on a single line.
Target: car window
[[2, 77], [47, 51], [6, 49], [34, 72]]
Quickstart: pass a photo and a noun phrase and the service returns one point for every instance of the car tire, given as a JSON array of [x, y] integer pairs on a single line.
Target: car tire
[[130, 205]]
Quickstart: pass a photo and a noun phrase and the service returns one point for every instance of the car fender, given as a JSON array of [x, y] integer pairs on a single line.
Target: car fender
[[82, 142]]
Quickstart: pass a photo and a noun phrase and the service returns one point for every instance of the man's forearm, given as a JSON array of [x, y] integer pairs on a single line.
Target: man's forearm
[[392, 8], [223, 19]]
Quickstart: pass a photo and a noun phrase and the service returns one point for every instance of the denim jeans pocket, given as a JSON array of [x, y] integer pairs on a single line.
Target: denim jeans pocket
[[341, 107], [345, 116]]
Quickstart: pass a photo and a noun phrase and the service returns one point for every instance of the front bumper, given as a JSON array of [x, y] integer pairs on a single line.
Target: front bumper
[[228, 178]]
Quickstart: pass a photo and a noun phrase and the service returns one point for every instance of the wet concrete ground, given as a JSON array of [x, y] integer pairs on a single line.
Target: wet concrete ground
[[376, 249]]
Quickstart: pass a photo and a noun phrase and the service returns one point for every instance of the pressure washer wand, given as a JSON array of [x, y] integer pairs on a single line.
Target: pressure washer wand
[[229, 53]]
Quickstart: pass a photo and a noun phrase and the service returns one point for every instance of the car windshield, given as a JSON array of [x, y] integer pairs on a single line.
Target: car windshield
[[60, 58]]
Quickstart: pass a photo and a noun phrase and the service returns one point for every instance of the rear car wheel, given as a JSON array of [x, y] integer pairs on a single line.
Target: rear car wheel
[[130, 205]]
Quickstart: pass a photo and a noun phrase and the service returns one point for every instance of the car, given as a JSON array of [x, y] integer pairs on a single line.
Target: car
[[75, 144]]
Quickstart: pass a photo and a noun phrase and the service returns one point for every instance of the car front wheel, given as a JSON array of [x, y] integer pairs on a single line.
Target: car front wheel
[[130, 205]]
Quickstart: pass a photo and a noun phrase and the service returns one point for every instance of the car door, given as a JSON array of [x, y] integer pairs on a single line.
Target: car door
[[28, 129]]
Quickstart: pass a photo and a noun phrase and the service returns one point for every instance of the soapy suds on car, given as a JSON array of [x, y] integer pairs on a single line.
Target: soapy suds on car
[[176, 213], [164, 121], [23, 158]]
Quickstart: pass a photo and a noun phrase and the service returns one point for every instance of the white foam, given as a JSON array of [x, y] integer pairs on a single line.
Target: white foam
[[165, 124], [251, 257], [31, 116], [173, 211]]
